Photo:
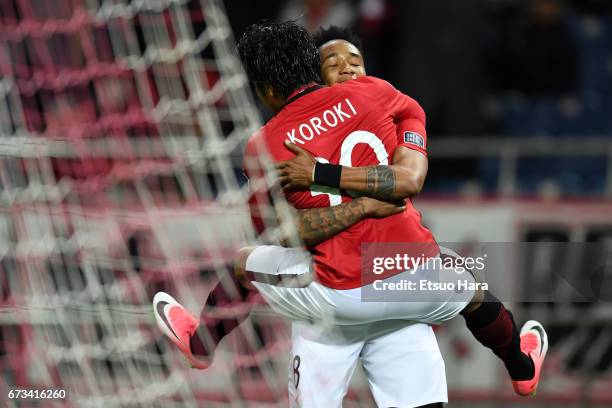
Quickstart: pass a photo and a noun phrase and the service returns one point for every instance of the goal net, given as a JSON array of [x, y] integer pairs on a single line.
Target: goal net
[[121, 127]]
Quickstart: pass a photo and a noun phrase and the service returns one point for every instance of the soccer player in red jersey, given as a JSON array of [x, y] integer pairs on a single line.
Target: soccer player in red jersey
[[346, 144], [328, 355]]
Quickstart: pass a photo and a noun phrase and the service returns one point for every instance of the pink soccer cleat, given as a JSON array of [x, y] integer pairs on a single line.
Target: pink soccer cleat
[[178, 325], [534, 343]]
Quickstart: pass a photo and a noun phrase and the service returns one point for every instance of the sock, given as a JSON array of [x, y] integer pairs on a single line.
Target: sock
[[234, 302], [493, 326]]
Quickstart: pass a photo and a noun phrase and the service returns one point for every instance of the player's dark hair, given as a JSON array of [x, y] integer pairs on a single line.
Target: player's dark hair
[[281, 55], [337, 33]]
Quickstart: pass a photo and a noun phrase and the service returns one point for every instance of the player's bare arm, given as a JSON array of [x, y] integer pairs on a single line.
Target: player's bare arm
[[316, 225], [402, 179]]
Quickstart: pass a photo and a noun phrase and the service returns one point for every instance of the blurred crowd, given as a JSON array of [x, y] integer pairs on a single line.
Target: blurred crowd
[[477, 66]]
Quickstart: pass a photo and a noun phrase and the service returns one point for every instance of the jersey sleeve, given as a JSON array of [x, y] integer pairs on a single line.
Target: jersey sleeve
[[407, 114]]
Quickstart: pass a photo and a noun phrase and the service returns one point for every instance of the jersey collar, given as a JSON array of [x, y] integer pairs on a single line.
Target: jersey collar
[[301, 91]]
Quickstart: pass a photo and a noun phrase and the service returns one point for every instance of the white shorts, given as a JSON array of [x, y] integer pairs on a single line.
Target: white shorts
[[280, 278], [333, 329], [401, 360]]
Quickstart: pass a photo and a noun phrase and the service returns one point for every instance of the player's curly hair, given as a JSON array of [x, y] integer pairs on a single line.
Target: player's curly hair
[[281, 55], [336, 33]]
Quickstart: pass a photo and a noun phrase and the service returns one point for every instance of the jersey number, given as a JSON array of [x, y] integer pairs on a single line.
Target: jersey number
[[296, 370], [346, 152]]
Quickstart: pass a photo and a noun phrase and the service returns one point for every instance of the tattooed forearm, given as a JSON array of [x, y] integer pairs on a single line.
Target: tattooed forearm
[[380, 182], [316, 225]]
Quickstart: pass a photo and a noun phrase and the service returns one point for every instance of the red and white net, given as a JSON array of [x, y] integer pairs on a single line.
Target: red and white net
[[121, 126]]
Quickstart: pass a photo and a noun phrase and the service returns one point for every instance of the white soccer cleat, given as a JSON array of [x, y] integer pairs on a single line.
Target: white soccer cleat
[[534, 343]]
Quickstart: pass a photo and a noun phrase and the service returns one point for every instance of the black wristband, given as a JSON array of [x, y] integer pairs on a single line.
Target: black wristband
[[326, 174]]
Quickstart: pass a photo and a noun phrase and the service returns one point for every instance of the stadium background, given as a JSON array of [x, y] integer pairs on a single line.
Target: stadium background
[[121, 125]]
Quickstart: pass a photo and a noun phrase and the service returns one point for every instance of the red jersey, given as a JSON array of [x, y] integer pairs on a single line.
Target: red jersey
[[357, 123]]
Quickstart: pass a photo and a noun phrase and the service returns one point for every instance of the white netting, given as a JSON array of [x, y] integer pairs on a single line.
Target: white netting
[[120, 132]]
